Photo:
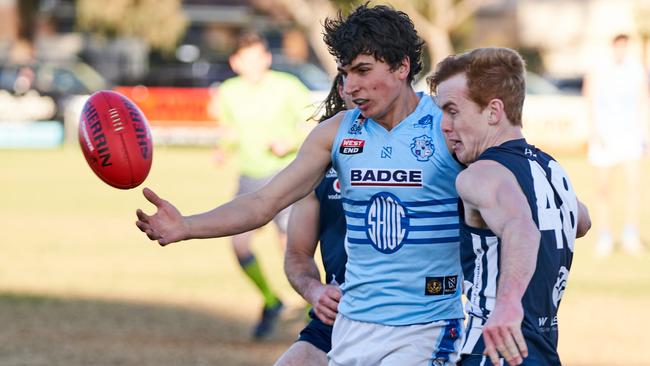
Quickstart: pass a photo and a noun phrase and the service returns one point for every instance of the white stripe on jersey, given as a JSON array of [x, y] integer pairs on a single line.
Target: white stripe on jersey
[[472, 335], [493, 272], [477, 281], [492, 259]]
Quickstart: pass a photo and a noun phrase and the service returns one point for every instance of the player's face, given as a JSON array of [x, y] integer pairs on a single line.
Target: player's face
[[372, 86], [251, 62], [463, 122]]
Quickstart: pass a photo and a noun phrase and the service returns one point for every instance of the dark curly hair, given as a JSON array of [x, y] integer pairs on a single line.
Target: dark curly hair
[[381, 31]]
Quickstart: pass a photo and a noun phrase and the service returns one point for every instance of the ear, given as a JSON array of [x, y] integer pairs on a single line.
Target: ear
[[495, 111], [404, 68]]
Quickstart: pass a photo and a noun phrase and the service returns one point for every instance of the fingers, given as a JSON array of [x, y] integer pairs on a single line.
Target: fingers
[[142, 216], [152, 197], [490, 349], [509, 343], [521, 342], [327, 306]]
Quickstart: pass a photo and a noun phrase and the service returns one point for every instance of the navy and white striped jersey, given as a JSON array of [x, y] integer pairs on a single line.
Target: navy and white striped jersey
[[331, 232], [554, 208]]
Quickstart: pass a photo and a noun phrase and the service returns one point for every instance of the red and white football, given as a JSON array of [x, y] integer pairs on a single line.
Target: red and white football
[[115, 138]]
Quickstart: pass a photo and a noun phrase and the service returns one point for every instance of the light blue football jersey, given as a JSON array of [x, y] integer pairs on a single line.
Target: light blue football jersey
[[400, 205]]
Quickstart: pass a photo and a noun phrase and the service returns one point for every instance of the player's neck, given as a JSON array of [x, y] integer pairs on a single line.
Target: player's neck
[[401, 108], [505, 134]]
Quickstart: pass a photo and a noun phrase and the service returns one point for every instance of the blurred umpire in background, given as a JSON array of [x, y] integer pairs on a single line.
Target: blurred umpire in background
[[261, 111]]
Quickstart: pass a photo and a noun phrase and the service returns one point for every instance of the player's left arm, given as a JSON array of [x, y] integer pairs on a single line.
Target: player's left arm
[[299, 264], [491, 190]]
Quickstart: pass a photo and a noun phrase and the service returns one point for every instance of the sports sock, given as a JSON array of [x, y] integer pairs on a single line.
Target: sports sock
[[252, 269]]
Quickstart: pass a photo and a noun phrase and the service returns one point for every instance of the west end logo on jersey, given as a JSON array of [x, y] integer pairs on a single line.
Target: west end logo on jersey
[[422, 148], [386, 222], [386, 177], [351, 146], [424, 122], [355, 129]]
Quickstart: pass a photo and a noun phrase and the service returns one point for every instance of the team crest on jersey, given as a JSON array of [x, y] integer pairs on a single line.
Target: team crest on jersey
[[352, 146], [357, 126], [560, 285], [444, 285], [422, 148], [424, 122], [387, 222]]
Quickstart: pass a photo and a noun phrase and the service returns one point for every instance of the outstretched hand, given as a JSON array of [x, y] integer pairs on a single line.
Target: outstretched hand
[[167, 225], [502, 334]]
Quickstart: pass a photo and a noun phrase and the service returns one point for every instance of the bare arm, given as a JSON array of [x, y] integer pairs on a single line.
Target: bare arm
[[584, 220], [249, 211], [299, 264], [505, 210]]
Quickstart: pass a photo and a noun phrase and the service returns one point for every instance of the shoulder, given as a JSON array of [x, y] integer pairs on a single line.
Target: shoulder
[[325, 132], [483, 179], [230, 83]]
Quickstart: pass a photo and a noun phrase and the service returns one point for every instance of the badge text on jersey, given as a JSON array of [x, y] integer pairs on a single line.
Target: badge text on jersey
[[386, 177]]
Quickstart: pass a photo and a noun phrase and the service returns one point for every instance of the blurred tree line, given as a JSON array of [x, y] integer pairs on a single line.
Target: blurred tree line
[[162, 23]]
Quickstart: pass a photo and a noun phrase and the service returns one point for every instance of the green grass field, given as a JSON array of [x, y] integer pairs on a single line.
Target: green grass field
[[80, 285]]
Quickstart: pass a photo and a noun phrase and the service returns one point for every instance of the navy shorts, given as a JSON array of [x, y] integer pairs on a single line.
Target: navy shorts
[[317, 333]]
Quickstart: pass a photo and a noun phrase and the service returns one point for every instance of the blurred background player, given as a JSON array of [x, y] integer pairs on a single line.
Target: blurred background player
[[317, 218], [617, 98], [518, 230], [262, 111]]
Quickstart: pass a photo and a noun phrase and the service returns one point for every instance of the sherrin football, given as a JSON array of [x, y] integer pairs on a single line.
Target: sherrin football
[[115, 139]]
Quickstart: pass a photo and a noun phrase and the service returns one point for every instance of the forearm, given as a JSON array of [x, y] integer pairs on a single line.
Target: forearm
[[519, 247], [244, 213], [302, 273]]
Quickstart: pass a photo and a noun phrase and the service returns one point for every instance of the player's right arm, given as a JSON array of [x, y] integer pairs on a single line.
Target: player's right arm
[[249, 211], [492, 197], [299, 264]]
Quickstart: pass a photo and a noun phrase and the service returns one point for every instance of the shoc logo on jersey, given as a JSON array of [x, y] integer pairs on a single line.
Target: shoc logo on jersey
[[386, 177], [331, 173], [422, 148], [352, 146], [386, 222], [424, 122]]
